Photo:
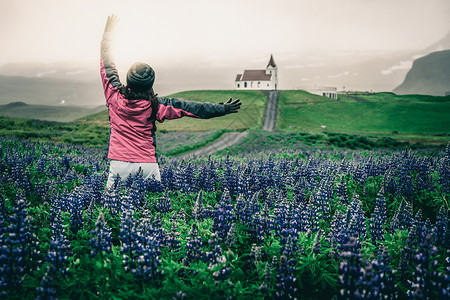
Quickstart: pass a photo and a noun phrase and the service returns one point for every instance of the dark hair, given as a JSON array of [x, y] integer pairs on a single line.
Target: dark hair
[[149, 95]]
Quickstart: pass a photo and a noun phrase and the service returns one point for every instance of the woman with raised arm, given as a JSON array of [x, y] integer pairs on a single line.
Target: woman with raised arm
[[134, 108]]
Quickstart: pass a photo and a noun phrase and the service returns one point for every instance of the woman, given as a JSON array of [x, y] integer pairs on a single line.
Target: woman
[[133, 110]]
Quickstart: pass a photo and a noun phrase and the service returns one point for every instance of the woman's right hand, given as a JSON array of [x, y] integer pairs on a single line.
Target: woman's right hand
[[111, 23]]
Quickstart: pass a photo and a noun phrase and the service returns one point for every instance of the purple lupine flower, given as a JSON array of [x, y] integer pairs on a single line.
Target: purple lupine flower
[[19, 254], [223, 216], [425, 283], [376, 226], [76, 205], [101, 241], [231, 236], [59, 250], [198, 211], [172, 238], [415, 231], [194, 251], [264, 287], [322, 197], [341, 192], [350, 271], [127, 234], [356, 222], [147, 260], [442, 227], [46, 290], [263, 223], [163, 205], [316, 248], [286, 284], [402, 218], [112, 201]]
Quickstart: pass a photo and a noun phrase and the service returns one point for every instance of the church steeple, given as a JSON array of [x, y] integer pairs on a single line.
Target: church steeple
[[271, 62]]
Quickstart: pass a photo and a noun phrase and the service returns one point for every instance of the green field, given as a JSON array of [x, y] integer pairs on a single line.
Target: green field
[[414, 118], [380, 120]]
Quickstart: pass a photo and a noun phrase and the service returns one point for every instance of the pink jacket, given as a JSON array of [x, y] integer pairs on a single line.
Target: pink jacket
[[132, 136]]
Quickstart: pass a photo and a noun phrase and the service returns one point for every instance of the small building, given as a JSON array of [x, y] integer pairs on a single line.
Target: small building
[[259, 79], [326, 91]]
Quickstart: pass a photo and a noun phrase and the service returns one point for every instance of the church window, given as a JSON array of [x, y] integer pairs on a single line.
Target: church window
[[239, 85], [245, 84]]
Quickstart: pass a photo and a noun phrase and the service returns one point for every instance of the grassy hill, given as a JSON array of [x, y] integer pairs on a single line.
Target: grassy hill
[[355, 121], [46, 112], [416, 118]]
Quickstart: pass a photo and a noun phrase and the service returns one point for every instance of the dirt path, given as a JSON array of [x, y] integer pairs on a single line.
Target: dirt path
[[270, 116], [223, 142], [231, 138]]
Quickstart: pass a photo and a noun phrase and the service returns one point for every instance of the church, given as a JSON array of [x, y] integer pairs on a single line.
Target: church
[[258, 79]]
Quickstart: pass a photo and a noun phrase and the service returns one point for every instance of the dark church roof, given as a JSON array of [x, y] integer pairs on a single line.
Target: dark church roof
[[253, 75], [271, 62]]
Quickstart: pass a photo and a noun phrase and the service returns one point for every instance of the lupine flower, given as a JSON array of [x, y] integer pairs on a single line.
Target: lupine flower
[[442, 229], [163, 205], [193, 246], [231, 236], [350, 271], [46, 291], [376, 226], [403, 217], [341, 192], [172, 238], [223, 216], [59, 250], [286, 285], [198, 211], [19, 251], [316, 248], [101, 241]]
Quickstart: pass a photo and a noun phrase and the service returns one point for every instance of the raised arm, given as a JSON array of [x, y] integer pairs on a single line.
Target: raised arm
[[174, 108], [108, 70]]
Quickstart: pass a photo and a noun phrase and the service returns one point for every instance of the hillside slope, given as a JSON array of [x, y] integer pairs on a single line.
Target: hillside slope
[[408, 117], [429, 75]]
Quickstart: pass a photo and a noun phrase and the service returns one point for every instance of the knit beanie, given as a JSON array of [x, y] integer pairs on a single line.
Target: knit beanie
[[140, 77]]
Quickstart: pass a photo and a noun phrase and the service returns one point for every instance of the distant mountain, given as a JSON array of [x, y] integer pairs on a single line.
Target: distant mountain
[[429, 75], [45, 112], [50, 91]]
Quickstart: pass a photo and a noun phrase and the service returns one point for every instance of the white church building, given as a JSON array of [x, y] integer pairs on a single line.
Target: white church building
[[259, 79]]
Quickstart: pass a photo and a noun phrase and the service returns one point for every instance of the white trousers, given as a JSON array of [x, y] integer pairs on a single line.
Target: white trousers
[[125, 169]]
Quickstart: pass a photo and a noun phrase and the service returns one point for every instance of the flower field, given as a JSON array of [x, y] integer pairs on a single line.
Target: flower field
[[306, 224]]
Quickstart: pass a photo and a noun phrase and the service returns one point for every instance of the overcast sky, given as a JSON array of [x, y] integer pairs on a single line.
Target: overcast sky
[[70, 30]]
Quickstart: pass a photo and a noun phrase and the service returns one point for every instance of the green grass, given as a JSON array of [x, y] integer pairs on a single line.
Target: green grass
[[413, 118], [384, 120], [250, 115], [95, 134], [83, 134]]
